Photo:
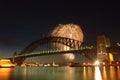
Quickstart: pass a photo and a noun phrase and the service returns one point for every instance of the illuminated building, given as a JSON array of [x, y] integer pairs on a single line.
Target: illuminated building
[[6, 63], [111, 57]]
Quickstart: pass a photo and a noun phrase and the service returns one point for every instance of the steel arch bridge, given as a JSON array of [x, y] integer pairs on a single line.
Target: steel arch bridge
[[36, 44], [63, 40]]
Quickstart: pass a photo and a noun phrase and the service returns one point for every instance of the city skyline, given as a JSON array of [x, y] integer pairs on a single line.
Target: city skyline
[[23, 22]]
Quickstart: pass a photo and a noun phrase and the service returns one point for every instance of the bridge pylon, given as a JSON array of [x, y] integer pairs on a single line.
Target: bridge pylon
[[102, 44]]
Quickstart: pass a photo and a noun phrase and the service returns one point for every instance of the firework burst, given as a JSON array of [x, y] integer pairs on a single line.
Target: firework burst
[[72, 31]]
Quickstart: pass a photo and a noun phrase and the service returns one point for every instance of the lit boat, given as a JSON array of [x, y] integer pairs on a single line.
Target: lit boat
[[6, 63]]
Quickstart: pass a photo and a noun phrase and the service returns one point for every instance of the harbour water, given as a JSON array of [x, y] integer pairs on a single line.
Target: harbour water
[[60, 73]]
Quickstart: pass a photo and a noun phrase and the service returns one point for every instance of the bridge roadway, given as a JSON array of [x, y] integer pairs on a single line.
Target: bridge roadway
[[19, 59], [84, 52], [53, 52]]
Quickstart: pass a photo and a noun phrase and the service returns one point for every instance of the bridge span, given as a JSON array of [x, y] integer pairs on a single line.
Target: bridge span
[[74, 47]]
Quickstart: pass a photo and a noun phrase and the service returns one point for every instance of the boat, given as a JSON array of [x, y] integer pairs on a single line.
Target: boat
[[6, 63]]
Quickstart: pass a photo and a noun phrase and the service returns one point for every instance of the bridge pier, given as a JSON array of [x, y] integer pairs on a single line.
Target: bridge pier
[[102, 44]]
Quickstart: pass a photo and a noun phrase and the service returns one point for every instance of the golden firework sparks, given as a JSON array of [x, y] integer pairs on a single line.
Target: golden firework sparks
[[72, 31]]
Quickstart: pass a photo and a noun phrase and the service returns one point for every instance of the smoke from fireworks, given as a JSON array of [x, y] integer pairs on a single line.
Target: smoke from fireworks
[[72, 31]]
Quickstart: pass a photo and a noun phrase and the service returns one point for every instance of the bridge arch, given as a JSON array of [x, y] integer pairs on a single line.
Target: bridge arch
[[63, 40]]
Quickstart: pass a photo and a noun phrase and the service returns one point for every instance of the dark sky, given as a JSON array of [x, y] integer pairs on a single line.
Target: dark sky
[[22, 22]]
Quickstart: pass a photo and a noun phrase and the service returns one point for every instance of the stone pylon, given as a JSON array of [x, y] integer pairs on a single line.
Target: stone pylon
[[102, 44]]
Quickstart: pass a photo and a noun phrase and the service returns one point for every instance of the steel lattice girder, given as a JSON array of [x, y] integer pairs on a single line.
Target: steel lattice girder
[[63, 40]]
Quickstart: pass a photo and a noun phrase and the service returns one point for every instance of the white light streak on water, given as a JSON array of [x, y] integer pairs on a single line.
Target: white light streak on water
[[97, 73]]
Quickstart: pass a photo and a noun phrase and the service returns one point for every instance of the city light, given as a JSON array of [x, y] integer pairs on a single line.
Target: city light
[[4, 60], [6, 63], [96, 63], [111, 57]]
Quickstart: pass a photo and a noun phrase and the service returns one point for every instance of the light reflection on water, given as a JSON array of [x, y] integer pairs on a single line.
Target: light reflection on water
[[97, 73], [5, 73], [118, 72], [84, 73], [104, 73], [60, 73]]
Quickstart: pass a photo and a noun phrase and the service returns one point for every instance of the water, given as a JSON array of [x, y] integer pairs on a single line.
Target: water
[[60, 73]]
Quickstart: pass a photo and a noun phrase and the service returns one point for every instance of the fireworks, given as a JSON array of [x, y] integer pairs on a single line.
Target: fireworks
[[72, 31], [68, 30]]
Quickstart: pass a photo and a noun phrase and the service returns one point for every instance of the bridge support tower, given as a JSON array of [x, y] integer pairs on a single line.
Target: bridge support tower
[[102, 44]]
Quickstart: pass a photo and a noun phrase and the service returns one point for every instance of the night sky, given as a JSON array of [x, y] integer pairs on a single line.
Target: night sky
[[22, 22]]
